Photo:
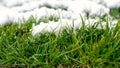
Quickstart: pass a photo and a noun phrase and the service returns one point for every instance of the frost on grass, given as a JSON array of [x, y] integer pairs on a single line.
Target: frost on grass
[[64, 10]]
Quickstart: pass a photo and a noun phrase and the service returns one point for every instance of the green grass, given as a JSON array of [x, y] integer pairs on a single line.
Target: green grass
[[115, 12], [88, 48]]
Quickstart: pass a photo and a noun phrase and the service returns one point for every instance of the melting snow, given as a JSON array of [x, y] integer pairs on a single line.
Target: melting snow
[[19, 10]]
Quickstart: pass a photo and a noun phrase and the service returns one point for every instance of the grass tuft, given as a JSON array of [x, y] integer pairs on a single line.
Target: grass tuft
[[89, 47]]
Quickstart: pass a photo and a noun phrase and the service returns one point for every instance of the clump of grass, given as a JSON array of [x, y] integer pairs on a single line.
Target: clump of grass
[[115, 12], [47, 19], [88, 47]]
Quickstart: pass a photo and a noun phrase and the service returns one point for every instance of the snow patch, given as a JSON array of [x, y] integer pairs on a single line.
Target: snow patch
[[65, 10]]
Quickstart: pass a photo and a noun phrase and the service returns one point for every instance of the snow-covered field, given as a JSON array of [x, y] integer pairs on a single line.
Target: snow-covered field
[[65, 10]]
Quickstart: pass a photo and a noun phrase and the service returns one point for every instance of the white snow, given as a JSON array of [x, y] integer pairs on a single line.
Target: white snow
[[108, 3], [21, 10], [112, 3], [52, 26]]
